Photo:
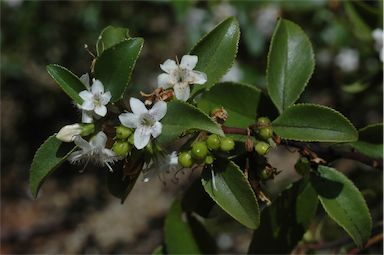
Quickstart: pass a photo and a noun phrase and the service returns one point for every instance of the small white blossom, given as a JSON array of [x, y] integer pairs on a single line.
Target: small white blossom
[[347, 60], [377, 35], [180, 76], [69, 132], [93, 150], [160, 164], [95, 100], [146, 122]]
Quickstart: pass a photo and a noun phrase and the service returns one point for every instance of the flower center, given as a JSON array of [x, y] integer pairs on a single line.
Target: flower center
[[97, 99], [146, 120], [180, 75]]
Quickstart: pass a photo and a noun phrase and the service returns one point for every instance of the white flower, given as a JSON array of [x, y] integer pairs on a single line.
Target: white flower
[[160, 164], [180, 76], [377, 35], [146, 122], [93, 150], [348, 60], [69, 132], [95, 100]]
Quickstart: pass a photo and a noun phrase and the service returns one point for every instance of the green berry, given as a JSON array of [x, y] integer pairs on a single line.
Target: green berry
[[213, 142], [265, 174], [131, 139], [199, 150], [185, 159], [266, 132], [262, 148], [123, 132], [263, 121], [87, 129], [121, 148], [227, 144], [209, 160], [302, 166]]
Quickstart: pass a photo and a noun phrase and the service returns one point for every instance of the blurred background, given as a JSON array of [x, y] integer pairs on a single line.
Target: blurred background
[[74, 212]]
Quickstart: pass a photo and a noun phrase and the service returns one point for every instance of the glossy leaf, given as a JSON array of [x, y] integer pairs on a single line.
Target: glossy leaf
[[182, 117], [309, 122], [233, 192], [343, 202], [179, 238], [111, 36], [217, 51], [69, 82], [239, 100], [306, 204], [281, 225], [115, 66], [51, 154], [370, 141], [290, 64]]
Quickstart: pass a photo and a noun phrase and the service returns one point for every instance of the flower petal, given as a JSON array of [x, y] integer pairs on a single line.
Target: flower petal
[[86, 95], [137, 106], [158, 110], [75, 156], [141, 138], [182, 91], [156, 129], [105, 98], [85, 79], [129, 119], [82, 144], [101, 110], [86, 116], [88, 105], [164, 81], [98, 141], [97, 87], [168, 66], [188, 62], [197, 77]]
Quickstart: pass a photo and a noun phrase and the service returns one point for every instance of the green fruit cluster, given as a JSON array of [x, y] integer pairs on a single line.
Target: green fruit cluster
[[201, 150], [123, 141], [265, 130]]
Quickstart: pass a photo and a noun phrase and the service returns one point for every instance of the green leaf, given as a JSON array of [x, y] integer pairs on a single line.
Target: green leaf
[[182, 117], [306, 204], [158, 251], [370, 141], [360, 29], [111, 36], [290, 64], [69, 82], [282, 226], [239, 100], [179, 238], [51, 154], [115, 65], [233, 192], [343, 202], [309, 122], [217, 51]]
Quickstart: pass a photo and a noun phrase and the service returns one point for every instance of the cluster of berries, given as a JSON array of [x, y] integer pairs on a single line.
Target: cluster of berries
[[201, 151], [264, 132], [124, 141]]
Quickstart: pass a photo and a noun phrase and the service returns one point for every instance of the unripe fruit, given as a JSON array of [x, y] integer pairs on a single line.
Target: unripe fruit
[[263, 122], [213, 142], [199, 150], [121, 148], [123, 132], [266, 132], [265, 174], [131, 139], [185, 159], [209, 160], [227, 144], [262, 148]]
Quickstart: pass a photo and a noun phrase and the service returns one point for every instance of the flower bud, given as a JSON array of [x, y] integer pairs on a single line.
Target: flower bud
[[68, 133], [121, 148], [123, 132], [302, 166]]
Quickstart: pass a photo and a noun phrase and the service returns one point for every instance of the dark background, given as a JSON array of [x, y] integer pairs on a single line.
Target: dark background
[[74, 213]]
